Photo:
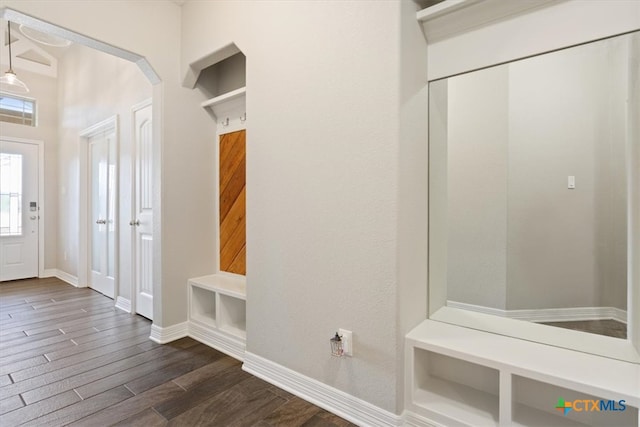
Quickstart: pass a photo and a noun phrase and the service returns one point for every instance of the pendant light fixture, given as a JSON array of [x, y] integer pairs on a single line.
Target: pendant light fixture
[[10, 82]]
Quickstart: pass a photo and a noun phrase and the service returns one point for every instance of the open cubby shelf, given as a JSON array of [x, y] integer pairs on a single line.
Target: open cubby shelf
[[464, 377], [217, 312]]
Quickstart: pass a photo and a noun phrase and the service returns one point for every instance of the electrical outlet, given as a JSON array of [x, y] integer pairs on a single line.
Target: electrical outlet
[[347, 341]]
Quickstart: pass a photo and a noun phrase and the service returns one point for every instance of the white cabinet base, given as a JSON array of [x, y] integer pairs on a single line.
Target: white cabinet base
[[217, 312], [457, 376]]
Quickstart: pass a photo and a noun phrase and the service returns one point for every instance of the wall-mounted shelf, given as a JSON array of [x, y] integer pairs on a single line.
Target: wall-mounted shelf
[[465, 377], [228, 104], [452, 17], [217, 312]]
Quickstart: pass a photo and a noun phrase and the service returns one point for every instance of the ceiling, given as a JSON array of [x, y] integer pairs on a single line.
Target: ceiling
[[27, 54]]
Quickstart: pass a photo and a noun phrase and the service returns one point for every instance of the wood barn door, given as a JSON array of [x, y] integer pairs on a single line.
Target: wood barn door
[[232, 202]]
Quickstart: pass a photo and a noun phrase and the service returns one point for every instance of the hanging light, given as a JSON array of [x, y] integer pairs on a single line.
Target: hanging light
[[10, 82]]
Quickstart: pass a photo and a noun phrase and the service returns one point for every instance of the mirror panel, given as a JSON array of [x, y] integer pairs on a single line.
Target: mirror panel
[[530, 189]]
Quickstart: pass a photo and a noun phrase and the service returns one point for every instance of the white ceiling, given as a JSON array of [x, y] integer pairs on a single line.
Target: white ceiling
[[27, 54]]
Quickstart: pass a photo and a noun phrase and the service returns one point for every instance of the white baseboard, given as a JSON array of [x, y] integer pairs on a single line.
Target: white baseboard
[[66, 277], [549, 314], [123, 304], [338, 402], [49, 272], [415, 420], [168, 334], [232, 346]]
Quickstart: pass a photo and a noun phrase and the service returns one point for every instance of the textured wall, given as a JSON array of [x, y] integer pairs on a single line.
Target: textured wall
[[322, 166]]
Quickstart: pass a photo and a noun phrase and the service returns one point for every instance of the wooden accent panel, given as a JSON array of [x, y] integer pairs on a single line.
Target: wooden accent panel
[[233, 202]]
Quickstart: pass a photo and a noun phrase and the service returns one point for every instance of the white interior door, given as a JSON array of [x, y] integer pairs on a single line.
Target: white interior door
[[102, 225], [142, 222], [19, 210]]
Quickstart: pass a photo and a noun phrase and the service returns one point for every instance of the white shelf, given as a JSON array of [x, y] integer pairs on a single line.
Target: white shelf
[[225, 284], [203, 307], [217, 312], [526, 416], [452, 17], [230, 103], [587, 373], [239, 331], [232, 317], [459, 402], [461, 376]]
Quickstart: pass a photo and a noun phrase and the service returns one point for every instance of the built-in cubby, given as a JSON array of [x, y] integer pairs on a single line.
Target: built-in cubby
[[445, 385], [217, 302], [203, 305], [232, 315], [459, 376], [531, 406], [217, 312]]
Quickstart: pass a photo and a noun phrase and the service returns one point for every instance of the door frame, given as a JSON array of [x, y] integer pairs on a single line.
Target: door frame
[[41, 207], [85, 201]]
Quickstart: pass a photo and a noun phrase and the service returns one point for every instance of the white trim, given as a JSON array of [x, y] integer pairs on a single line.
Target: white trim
[[49, 272], [336, 401], [123, 304], [162, 335], [21, 18], [453, 17], [416, 420], [548, 314], [69, 278], [228, 344]]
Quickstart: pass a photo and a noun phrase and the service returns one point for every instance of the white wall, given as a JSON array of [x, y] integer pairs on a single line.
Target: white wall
[[94, 86], [45, 91], [322, 174]]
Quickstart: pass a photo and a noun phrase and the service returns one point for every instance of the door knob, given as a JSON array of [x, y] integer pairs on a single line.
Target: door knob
[[134, 223], [101, 221], [33, 217]]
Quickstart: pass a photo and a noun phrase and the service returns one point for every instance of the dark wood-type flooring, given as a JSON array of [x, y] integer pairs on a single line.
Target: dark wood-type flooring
[[68, 357]]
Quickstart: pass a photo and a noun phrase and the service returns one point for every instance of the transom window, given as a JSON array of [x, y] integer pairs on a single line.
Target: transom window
[[15, 109]]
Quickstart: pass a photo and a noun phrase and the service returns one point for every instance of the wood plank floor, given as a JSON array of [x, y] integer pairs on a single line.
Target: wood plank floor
[[68, 357]]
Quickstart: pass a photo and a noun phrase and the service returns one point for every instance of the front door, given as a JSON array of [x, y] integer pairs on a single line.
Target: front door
[[102, 225], [142, 222], [19, 210]]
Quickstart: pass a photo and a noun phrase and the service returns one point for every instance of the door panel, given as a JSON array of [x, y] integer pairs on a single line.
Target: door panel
[[143, 215], [19, 211], [102, 172], [232, 202]]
